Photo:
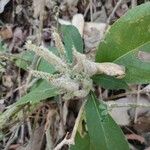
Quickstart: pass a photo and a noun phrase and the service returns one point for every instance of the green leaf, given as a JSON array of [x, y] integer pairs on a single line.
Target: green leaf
[[104, 133], [3, 47], [2, 136], [82, 143], [109, 82], [71, 37], [122, 41], [129, 32], [137, 70], [35, 96], [27, 58], [41, 92], [45, 67]]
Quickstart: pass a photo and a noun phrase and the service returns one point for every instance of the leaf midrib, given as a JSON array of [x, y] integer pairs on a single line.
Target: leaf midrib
[[100, 121], [131, 51]]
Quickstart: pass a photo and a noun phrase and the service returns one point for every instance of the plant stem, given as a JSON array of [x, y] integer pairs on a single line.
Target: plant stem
[[71, 141]]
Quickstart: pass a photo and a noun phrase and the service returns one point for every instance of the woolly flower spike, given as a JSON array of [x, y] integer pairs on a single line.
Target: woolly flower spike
[[48, 56], [42, 75], [66, 83], [70, 87], [76, 81], [58, 43], [60, 81], [92, 68], [110, 69]]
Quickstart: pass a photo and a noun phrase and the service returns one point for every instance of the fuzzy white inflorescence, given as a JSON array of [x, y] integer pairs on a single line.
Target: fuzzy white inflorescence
[[47, 55], [74, 79]]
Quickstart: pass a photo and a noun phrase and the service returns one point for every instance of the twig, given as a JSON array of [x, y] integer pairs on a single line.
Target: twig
[[71, 141], [86, 10], [33, 66], [110, 17], [133, 3], [29, 127], [91, 10], [137, 100], [113, 12], [49, 121], [13, 137], [48, 139], [65, 111], [60, 105], [125, 94], [132, 105], [21, 140], [10, 57], [23, 86]]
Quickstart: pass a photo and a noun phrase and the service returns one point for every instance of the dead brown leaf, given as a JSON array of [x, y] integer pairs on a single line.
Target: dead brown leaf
[[18, 38], [135, 137], [6, 32], [121, 11], [142, 124]]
